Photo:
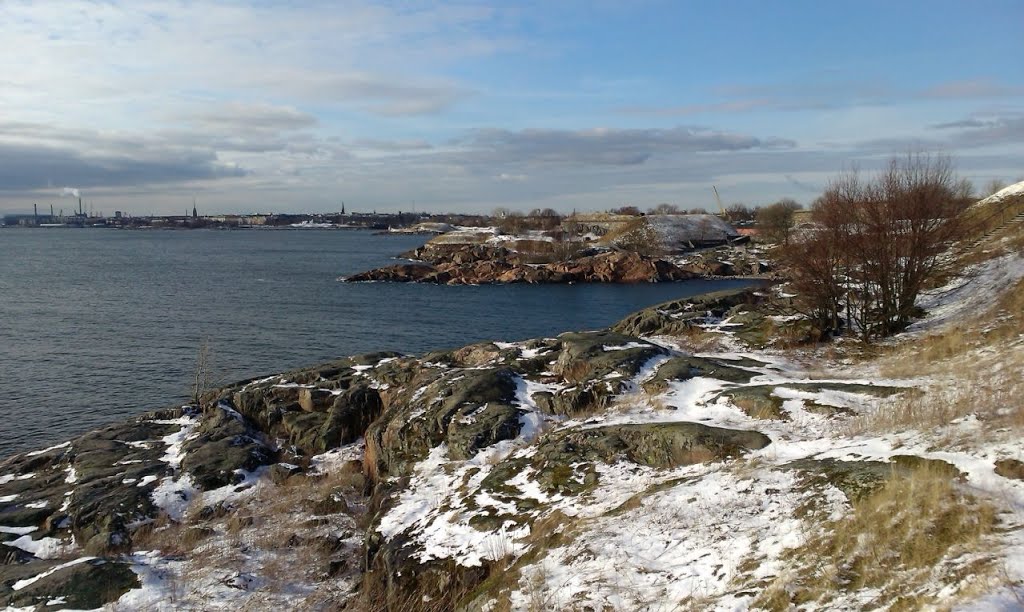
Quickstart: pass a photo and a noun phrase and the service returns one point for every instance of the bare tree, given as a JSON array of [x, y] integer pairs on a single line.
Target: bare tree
[[203, 378], [877, 244], [994, 186], [738, 212], [664, 209]]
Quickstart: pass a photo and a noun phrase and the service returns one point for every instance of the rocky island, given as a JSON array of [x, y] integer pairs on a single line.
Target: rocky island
[[650, 249]]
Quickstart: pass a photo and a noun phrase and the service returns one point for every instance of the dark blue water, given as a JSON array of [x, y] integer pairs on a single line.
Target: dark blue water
[[98, 324]]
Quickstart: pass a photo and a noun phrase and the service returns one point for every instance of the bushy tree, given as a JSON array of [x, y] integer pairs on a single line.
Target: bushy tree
[[876, 244], [775, 221]]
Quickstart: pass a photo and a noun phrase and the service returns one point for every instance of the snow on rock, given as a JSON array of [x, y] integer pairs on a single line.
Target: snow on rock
[[685, 541], [48, 449], [21, 584], [17, 530], [430, 510], [173, 495], [159, 583], [4, 479], [333, 460], [625, 347], [44, 548]]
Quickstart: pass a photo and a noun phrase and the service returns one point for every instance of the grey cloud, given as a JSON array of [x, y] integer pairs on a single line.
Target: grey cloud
[[376, 94], [1001, 130], [829, 94], [392, 145], [972, 88], [985, 130], [966, 123], [263, 117], [731, 106], [32, 167], [601, 146]]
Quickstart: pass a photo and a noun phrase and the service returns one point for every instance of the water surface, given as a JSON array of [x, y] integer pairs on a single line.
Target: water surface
[[98, 324]]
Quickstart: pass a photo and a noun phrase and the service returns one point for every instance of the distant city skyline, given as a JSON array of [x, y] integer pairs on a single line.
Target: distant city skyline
[[464, 107]]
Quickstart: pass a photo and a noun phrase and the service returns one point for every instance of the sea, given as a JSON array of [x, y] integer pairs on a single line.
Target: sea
[[97, 325]]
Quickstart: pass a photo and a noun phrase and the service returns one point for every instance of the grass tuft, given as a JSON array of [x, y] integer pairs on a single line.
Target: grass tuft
[[914, 537]]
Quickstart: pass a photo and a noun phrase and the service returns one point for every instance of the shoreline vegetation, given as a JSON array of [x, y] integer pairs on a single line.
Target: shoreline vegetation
[[716, 452]]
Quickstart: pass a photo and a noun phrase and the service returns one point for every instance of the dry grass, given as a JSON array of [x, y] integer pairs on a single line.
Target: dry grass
[[989, 389], [640, 398], [637, 236], [975, 367], [980, 220], [281, 534], [918, 535], [698, 340]]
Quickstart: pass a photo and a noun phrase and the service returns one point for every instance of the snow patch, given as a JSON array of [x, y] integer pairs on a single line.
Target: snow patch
[[19, 585], [48, 449]]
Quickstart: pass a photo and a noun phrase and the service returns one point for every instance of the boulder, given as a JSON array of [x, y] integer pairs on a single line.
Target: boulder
[[674, 317], [226, 445], [82, 586], [685, 368], [469, 409], [658, 445], [351, 414]]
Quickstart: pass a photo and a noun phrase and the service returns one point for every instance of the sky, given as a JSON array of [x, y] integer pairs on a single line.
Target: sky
[[262, 106]]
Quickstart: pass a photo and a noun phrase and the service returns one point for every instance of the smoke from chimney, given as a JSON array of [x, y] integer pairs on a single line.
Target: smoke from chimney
[[70, 191]]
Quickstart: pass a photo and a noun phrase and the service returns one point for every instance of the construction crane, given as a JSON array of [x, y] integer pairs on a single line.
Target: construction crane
[[721, 208]]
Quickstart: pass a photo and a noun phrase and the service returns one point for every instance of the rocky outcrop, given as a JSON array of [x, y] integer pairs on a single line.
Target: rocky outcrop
[[727, 261], [484, 265], [687, 367], [466, 409]]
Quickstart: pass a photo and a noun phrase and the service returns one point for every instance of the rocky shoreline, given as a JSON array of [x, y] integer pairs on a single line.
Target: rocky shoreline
[[95, 498]]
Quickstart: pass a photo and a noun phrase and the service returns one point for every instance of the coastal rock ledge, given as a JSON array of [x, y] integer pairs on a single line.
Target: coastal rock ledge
[[503, 266]]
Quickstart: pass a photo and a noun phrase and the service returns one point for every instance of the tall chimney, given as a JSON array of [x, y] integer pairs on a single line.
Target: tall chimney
[[35, 212], [80, 206]]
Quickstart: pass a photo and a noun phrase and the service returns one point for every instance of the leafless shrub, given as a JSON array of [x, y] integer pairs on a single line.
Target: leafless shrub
[[877, 244]]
